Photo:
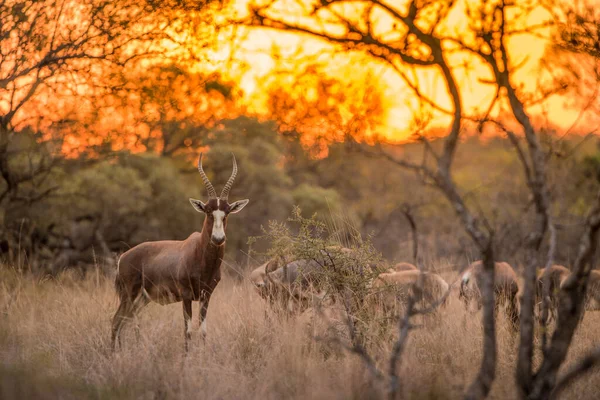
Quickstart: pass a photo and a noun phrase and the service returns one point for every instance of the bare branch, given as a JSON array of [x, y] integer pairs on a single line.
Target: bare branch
[[482, 384], [571, 299], [407, 211], [404, 327]]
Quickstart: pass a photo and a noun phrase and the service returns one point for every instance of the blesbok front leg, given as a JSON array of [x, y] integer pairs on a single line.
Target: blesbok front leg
[[187, 317], [202, 314]]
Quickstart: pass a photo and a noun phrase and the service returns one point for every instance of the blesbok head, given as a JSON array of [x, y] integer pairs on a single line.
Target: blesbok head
[[217, 208]]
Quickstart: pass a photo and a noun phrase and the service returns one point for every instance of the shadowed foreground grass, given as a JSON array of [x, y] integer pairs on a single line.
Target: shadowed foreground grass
[[54, 343]]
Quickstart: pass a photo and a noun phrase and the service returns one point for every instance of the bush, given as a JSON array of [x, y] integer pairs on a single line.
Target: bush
[[342, 274]]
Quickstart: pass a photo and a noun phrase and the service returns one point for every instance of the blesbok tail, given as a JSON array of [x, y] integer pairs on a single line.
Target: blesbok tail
[[464, 281], [445, 291], [119, 284]]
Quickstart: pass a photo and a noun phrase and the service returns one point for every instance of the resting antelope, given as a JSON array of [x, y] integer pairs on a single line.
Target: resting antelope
[[506, 288], [171, 271]]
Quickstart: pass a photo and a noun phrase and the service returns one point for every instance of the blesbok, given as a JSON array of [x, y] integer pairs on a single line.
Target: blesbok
[[287, 285], [258, 276], [171, 271], [556, 275], [266, 282], [295, 284], [402, 266], [392, 289], [506, 287]]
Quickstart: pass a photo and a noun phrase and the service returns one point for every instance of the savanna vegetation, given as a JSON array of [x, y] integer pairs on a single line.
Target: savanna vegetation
[[106, 105]]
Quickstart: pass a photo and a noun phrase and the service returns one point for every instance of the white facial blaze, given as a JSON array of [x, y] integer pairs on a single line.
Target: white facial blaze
[[203, 328], [218, 233]]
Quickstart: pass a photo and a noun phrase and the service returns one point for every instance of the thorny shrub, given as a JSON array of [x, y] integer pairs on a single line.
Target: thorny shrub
[[337, 264]]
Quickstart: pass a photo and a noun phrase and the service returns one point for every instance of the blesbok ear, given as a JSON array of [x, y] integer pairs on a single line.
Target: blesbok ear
[[198, 205], [237, 206]]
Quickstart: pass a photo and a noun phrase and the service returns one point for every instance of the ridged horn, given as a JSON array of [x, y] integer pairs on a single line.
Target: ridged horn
[[212, 193], [229, 184]]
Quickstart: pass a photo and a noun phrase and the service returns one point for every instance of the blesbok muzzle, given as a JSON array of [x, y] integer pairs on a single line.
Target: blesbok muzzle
[[217, 240]]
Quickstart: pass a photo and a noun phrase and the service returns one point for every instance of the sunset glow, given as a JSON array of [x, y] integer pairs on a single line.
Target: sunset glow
[[528, 52], [250, 57]]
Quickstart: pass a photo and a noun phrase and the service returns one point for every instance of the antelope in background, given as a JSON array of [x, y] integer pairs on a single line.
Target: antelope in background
[[394, 288], [170, 271], [556, 275], [506, 288], [402, 266]]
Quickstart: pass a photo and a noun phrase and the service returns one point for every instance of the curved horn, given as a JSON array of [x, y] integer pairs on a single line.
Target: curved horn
[[227, 188], [212, 194]]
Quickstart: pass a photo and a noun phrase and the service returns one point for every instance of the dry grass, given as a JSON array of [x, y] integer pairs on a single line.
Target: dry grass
[[54, 343]]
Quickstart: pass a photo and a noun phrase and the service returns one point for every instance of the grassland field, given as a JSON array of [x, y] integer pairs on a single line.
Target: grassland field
[[55, 344]]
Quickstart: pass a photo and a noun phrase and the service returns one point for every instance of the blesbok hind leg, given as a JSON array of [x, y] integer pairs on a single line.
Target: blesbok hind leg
[[140, 302], [202, 314], [126, 312], [123, 313], [187, 318]]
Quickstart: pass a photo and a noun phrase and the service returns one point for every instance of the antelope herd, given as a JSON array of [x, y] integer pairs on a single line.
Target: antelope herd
[[189, 270], [394, 286]]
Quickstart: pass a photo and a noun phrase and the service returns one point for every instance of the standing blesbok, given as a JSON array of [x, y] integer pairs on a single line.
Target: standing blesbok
[[171, 271], [506, 288]]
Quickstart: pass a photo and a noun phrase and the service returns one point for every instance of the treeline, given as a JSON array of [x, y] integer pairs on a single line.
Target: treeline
[[84, 211], [99, 136]]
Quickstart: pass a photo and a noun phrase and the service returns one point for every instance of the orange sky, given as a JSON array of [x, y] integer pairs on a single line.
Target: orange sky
[[525, 50], [255, 47]]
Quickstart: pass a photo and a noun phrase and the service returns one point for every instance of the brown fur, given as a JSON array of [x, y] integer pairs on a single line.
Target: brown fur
[[592, 298], [258, 275], [402, 266], [394, 288], [506, 288]]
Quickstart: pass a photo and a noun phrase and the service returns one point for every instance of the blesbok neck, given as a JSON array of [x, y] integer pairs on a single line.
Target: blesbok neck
[[206, 232]]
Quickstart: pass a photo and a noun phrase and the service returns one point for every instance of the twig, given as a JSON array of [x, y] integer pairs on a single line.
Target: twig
[[407, 211]]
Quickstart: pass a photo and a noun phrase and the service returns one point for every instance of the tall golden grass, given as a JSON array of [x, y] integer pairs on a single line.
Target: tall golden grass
[[54, 343]]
